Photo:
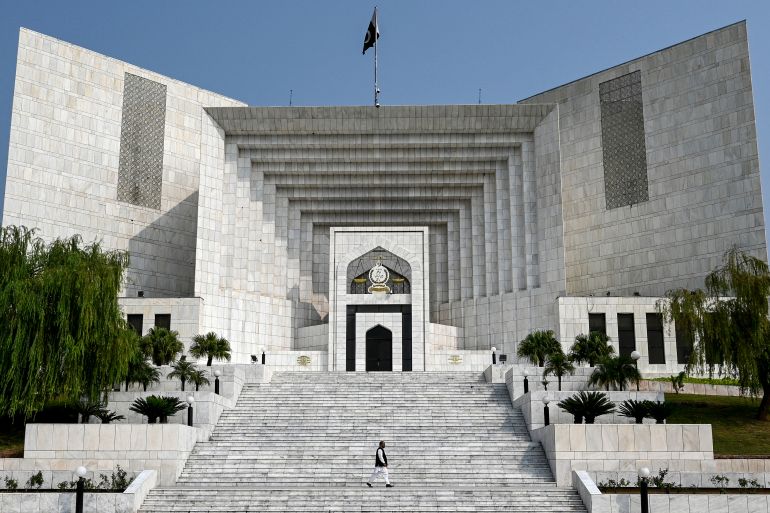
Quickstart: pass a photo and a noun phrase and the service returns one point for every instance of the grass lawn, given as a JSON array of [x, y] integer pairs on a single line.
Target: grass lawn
[[11, 439], [733, 425]]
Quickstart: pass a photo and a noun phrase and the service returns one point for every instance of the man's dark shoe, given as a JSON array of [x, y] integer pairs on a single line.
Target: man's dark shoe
[[388, 485], [369, 485]]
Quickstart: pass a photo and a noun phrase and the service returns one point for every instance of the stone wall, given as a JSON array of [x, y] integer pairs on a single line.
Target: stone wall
[[532, 407], [608, 447], [128, 501], [702, 171], [63, 161], [135, 447]]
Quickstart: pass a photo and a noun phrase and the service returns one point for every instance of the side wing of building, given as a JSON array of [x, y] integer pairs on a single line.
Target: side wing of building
[[78, 163], [660, 170]]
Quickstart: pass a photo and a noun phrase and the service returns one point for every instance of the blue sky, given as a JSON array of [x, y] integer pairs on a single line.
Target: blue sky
[[431, 52]]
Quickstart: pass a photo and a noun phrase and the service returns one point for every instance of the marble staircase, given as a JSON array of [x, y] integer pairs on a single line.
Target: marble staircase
[[306, 442]]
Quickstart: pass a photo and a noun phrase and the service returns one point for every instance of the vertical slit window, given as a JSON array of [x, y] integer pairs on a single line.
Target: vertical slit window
[[626, 334], [655, 342]]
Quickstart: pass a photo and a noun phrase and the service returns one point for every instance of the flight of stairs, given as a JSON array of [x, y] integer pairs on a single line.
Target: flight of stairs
[[306, 442]]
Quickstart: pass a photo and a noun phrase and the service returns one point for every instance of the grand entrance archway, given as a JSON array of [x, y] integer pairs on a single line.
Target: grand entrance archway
[[379, 349]]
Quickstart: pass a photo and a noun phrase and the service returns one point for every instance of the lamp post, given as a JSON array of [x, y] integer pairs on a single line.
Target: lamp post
[[263, 355], [190, 401], [81, 471], [494, 356], [526, 383], [644, 474], [217, 373], [635, 357], [546, 412]]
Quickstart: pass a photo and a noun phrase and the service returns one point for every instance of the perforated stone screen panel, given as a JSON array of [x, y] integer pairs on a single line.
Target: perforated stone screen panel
[[623, 148], [140, 168]]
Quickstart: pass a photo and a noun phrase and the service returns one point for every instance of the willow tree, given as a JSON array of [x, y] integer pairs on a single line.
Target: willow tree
[[727, 322], [61, 330]]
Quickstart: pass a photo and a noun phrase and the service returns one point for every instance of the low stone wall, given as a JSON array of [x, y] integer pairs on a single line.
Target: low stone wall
[[278, 361], [613, 447], [458, 360], [531, 405], [514, 379], [691, 388], [207, 408], [135, 447], [597, 502], [230, 382], [128, 501]]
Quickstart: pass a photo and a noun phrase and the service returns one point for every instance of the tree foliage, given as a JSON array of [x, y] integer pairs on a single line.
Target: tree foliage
[[727, 322], [558, 364], [161, 345], [183, 370], [62, 334], [591, 348], [615, 372], [212, 346], [157, 408], [537, 346]]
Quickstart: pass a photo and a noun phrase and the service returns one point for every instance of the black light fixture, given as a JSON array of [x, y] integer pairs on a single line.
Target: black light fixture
[[253, 358], [494, 356], [140, 293], [190, 401], [217, 373], [546, 412], [80, 488], [644, 475], [263, 356], [636, 294], [526, 383]]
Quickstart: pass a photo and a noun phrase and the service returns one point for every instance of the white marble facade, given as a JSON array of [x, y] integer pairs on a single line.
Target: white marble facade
[[499, 209]]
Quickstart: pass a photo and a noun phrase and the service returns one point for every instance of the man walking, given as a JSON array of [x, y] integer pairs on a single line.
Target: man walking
[[380, 467]]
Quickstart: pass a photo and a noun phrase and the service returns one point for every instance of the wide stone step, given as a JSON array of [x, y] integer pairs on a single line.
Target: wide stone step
[[361, 499]]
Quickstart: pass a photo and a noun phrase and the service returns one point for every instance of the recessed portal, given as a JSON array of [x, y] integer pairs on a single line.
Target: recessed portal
[[379, 349]]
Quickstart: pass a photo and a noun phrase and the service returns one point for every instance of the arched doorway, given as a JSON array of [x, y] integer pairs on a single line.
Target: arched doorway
[[379, 349]]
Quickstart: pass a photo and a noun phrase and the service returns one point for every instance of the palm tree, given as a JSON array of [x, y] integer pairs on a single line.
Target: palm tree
[[559, 365], [636, 410], [147, 375], [587, 405], [161, 345], [183, 370], [141, 371], [537, 346], [591, 348], [614, 371], [156, 407], [198, 378], [212, 346]]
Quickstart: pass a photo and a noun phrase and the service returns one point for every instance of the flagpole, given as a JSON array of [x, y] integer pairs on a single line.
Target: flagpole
[[376, 32]]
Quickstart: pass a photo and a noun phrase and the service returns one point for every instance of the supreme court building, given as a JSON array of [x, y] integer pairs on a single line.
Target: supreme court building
[[403, 238]]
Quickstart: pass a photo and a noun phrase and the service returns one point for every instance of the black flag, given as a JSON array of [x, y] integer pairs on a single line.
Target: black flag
[[369, 38]]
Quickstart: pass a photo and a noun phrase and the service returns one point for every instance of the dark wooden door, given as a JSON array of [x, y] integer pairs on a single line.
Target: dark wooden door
[[379, 349]]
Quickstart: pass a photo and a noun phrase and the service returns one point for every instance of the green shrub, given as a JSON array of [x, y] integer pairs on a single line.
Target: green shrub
[[157, 408], [35, 481], [587, 406], [636, 410], [659, 411]]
